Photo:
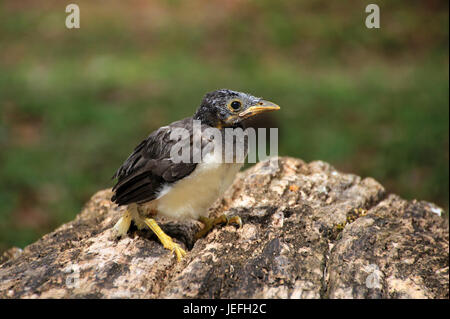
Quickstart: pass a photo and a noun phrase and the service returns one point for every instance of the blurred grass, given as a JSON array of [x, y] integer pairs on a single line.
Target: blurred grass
[[75, 102]]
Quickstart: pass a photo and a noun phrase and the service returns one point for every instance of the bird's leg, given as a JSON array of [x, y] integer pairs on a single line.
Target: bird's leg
[[166, 240], [123, 224], [209, 223]]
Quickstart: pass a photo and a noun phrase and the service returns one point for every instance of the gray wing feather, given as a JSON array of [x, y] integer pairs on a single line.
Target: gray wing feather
[[149, 167]]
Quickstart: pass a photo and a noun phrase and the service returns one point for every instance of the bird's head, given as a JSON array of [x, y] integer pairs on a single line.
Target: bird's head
[[227, 108]]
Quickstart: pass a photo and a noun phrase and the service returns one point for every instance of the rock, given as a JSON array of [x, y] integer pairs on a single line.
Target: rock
[[309, 232]]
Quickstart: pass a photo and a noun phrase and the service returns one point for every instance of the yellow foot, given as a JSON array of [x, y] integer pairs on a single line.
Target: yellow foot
[[166, 240], [123, 224], [209, 223]]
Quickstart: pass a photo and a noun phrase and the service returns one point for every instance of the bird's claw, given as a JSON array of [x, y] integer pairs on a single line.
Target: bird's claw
[[179, 252], [209, 223], [235, 220], [169, 244]]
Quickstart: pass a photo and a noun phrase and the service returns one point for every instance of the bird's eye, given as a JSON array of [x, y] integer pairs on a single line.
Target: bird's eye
[[235, 105]]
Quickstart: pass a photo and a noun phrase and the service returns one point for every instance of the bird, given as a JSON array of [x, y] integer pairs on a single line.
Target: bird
[[152, 182]]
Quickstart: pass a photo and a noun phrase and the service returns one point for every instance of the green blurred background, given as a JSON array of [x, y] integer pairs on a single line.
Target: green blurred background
[[74, 103]]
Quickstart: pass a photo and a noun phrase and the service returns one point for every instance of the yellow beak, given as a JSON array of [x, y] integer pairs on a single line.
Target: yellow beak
[[261, 107]]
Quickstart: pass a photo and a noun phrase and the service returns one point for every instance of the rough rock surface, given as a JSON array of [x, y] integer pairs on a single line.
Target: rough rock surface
[[309, 232]]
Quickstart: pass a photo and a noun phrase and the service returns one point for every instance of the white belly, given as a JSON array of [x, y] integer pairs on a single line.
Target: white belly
[[193, 195]]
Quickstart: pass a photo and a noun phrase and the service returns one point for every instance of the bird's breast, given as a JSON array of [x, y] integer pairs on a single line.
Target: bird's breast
[[193, 195]]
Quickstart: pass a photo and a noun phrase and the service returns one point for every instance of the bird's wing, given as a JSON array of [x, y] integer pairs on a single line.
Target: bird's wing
[[150, 167]]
